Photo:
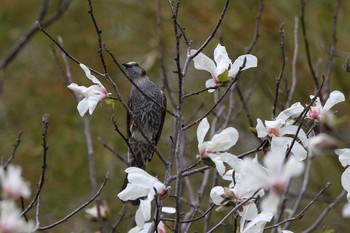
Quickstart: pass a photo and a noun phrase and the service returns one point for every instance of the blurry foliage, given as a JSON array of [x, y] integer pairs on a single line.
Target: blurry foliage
[[32, 85]]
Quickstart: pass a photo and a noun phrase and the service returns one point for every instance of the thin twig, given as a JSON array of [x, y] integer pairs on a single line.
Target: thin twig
[[119, 218], [301, 213], [332, 50], [105, 145], [306, 43], [196, 204], [302, 190], [45, 124], [25, 38], [66, 218], [166, 84], [257, 27], [194, 171], [325, 212], [15, 147], [281, 71], [201, 216], [245, 107], [294, 63], [232, 211]]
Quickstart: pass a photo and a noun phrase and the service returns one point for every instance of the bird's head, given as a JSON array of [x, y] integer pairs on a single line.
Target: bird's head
[[134, 70]]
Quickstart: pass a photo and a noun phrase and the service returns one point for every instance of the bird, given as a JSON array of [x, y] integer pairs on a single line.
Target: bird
[[147, 104]]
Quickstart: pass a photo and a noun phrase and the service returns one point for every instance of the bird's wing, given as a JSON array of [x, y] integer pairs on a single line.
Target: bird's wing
[[163, 104], [128, 119]]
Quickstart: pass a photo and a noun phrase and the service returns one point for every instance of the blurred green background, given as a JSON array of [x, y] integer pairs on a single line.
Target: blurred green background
[[32, 85]]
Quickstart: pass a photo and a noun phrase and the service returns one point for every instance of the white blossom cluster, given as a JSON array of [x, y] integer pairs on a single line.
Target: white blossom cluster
[[12, 188]]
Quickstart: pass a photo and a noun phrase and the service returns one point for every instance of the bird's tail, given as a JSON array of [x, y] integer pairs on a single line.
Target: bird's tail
[[139, 155]]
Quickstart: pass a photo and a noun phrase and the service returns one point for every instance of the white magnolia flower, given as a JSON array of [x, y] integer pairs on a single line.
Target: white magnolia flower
[[223, 196], [10, 220], [280, 128], [90, 95], [346, 210], [257, 224], [344, 158], [12, 183], [221, 68], [92, 213], [142, 185], [214, 148], [273, 176], [161, 228], [317, 112], [322, 143]]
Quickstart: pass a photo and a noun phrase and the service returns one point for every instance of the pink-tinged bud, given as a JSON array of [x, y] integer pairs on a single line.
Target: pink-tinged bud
[[163, 194], [314, 113]]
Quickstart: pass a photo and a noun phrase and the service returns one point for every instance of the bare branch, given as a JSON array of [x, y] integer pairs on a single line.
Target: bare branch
[[306, 43], [66, 218], [301, 214], [281, 71], [332, 50], [257, 27], [45, 124], [21, 42], [294, 63], [15, 147]]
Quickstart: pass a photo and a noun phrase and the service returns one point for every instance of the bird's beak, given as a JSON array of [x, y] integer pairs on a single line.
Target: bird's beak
[[125, 65]]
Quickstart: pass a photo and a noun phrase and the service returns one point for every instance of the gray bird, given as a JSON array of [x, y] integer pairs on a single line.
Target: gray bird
[[148, 113]]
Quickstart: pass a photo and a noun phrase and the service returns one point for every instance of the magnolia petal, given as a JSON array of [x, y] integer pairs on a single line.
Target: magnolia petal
[[293, 111], [140, 177], [249, 211], [344, 156], [292, 168], [83, 107], [138, 229], [143, 213], [292, 129], [298, 150], [270, 203], [216, 195], [132, 192], [345, 179], [260, 129], [257, 224], [202, 62], [252, 177], [346, 210], [92, 105], [90, 76], [224, 140], [219, 164], [334, 98], [80, 90], [274, 159], [210, 83], [251, 62], [168, 210], [202, 130], [13, 184], [230, 159], [276, 124], [221, 58]]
